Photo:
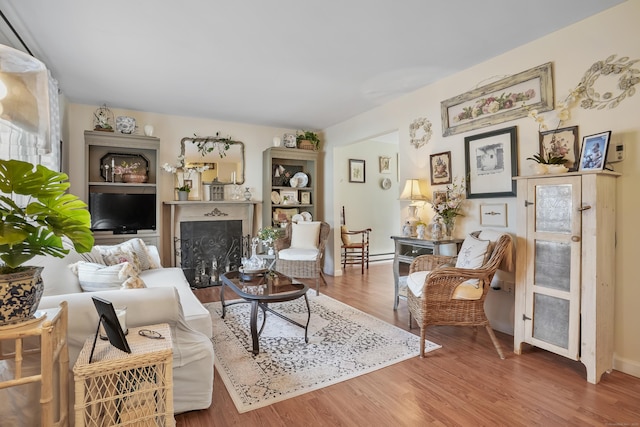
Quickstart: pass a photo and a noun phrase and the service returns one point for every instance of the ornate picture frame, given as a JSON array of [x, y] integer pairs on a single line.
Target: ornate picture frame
[[440, 168], [561, 143], [493, 214], [491, 163], [357, 171], [507, 99]]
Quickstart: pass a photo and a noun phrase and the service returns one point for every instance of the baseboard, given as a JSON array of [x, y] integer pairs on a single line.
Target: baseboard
[[631, 367]]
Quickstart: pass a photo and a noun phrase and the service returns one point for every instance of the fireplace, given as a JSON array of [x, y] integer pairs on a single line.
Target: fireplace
[[208, 249], [202, 232]]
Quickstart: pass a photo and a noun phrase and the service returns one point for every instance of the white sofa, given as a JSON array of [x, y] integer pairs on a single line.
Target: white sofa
[[167, 298]]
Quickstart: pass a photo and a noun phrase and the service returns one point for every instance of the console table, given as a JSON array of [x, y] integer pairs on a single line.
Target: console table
[[408, 248]]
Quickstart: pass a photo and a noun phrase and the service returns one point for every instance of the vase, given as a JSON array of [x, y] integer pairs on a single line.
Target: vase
[[435, 229], [247, 194], [183, 196], [20, 295], [449, 225]]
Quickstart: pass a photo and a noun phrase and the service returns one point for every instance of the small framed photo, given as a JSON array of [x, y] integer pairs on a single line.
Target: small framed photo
[[439, 197], [305, 197], [356, 171], [493, 214], [561, 143], [593, 154], [441, 168], [288, 197], [385, 164]]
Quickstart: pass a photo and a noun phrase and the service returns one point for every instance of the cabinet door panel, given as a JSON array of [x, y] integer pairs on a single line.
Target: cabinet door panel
[[552, 295]]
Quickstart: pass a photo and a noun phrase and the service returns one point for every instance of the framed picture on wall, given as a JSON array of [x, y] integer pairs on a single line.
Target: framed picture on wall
[[385, 164], [441, 168], [491, 163], [356, 171]]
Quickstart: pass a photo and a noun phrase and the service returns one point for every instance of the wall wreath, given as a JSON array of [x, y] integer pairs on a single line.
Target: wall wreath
[[592, 97], [420, 132]]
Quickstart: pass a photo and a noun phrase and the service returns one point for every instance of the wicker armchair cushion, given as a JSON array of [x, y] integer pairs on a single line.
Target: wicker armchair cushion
[[473, 253], [305, 235], [297, 254], [465, 291]]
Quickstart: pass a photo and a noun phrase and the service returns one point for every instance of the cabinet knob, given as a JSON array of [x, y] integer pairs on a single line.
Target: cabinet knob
[[575, 238]]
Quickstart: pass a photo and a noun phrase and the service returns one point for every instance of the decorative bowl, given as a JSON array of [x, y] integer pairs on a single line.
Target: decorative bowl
[[557, 169], [135, 177]]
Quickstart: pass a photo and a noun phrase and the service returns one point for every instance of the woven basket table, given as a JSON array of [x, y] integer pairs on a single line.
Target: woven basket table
[[126, 389]]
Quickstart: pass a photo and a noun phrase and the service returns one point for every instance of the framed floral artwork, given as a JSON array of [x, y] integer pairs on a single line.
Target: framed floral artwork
[[507, 99], [356, 171], [440, 168], [491, 163], [561, 143]]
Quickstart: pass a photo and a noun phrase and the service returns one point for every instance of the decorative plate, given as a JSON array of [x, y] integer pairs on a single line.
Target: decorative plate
[[385, 183], [297, 218], [125, 124], [302, 178], [275, 197], [306, 216]]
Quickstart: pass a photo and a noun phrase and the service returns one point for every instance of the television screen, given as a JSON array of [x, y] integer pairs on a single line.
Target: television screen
[[122, 213]]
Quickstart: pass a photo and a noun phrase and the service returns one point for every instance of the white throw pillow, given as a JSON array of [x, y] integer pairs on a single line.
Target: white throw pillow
[[473, 253], [305, 235], [99, 277]]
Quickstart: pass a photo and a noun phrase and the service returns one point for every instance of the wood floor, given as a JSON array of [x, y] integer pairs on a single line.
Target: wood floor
[[464, 383]]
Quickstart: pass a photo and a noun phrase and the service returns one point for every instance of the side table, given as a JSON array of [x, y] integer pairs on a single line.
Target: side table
[[51, 327], [126, 388], [407, 249]]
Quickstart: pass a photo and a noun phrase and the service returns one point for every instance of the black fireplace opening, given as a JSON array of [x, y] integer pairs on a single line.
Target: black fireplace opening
[[209, 249]]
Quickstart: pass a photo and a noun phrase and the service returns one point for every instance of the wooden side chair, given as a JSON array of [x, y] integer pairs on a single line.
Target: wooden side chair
[[355, 246], [300, 252], [445, 290]]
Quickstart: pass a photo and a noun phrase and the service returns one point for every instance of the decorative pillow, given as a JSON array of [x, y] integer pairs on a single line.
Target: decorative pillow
[[142, 259], [345, 237], [305, 235], [473, 253], [93, 256], [99, 277]]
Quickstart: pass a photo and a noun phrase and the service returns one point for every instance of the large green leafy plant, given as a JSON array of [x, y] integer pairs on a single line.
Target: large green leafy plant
[[48, 215]]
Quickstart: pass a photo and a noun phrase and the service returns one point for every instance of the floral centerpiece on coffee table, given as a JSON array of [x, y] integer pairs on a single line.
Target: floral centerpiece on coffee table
[[449, 206]]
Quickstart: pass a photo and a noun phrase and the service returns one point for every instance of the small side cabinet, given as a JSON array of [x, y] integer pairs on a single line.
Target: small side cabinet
[[565, 275]]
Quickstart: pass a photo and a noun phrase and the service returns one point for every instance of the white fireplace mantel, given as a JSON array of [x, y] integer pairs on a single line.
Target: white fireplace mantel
[[176, 212]]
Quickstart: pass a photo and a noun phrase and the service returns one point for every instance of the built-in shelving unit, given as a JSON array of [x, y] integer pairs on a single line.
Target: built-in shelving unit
[[279, 165], [104, 149]]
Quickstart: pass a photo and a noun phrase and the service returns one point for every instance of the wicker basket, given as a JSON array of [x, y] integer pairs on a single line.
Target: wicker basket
[[305, 144]]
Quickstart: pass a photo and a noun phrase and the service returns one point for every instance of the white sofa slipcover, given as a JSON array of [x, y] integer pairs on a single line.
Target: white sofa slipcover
[[167, 299]]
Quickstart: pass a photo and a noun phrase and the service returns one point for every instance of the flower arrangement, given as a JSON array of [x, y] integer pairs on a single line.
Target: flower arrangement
[[449, 206], [125, 167], [269, 234], [183, 172]]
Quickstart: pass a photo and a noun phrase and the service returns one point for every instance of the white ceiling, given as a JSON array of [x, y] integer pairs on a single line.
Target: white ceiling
[[283, 63]]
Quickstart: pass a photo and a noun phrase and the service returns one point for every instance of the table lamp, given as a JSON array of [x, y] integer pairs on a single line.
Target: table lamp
[[413, 193]]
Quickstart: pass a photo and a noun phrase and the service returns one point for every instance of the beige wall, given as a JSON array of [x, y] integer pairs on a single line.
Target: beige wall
[[572, 50]]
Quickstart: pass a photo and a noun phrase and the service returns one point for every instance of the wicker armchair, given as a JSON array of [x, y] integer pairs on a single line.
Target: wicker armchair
[[306, 267], [436, 305]]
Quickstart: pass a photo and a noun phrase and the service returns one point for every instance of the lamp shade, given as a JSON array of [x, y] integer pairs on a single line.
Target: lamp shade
[[412, 191]]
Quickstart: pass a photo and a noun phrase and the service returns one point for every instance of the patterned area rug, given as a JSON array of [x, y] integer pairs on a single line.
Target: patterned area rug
[[343, 343]]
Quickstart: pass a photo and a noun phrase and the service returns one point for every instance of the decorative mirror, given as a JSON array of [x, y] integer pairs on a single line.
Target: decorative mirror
[[224, 157]]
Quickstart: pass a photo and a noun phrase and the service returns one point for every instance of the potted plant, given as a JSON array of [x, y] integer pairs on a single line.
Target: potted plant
[[35, 213], [550, 163], [268, 235], [308, 140]]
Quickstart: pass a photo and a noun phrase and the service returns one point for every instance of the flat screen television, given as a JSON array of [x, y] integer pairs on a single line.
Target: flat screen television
[[122, 213]]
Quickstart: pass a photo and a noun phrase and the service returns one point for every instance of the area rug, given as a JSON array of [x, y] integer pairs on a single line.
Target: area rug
[[343, 343]]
